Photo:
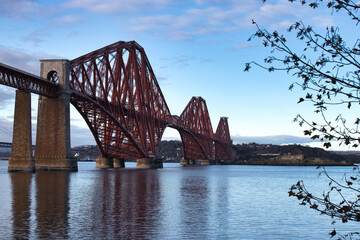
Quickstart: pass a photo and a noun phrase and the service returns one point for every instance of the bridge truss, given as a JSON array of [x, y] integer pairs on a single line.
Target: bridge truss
[[117, 93]]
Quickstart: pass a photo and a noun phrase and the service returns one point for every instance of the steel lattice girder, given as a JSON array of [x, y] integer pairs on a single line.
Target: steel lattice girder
[[199, 144], [223, 141], [116, 91], [120, 80], [19, 79]]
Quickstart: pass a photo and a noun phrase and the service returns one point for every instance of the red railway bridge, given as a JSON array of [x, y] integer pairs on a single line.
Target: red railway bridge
[[116, 92]]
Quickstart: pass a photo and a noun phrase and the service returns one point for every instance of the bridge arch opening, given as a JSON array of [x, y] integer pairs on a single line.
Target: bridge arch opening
[[171, 148], [53, 76]]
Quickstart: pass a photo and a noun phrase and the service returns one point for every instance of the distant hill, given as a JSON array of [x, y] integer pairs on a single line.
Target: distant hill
[[251, 153], [268, 154], [86, 152], [245, 154], [170, 151]]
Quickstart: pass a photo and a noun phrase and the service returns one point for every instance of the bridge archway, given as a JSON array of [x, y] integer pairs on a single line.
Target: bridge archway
[[170, 147], [53, 76]]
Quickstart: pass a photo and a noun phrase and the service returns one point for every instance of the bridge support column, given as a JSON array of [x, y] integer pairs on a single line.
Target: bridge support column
[[188, 162], [158, 163], [119, 163], [208, 162], [149, 163], [53, 147], [184, 162], [104, 162], [224, 162], [193, 162], [21, 158]]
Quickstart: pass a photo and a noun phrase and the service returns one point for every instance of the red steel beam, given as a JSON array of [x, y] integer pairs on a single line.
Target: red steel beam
[[223, 141], [116, 91], [119, 78], [19, 79]]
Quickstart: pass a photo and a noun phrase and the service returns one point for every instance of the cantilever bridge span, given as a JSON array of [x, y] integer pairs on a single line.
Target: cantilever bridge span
[[116, 91]]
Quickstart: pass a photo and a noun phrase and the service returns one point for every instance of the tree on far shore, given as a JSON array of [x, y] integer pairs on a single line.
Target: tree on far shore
[[328, 70]]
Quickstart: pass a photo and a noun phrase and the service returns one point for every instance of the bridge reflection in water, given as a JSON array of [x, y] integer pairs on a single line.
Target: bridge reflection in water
[[112, 204], [21, 205], [44, 201], [216, 202]]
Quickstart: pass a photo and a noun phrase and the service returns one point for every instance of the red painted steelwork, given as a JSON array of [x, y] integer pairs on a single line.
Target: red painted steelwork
[[19, 79], [223, 141], [198, 140], [116, 91]]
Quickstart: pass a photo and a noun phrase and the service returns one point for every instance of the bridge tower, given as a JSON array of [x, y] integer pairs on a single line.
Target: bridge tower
[[53, 147]]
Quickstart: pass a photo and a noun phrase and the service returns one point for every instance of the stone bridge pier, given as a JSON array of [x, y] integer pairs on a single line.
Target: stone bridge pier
[[150, 162], [53, 147], [21, 158]]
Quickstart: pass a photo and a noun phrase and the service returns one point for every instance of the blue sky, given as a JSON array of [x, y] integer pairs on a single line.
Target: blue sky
[[196, 48]]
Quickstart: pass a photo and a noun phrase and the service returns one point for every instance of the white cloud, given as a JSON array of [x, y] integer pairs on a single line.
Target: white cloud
[[19, 8], [280, 25], [278, 9], [23, 60], [116, 6], [275, 139], [186, 25], [323, 21], [183, 21], [282, 14], [6, 127], [7, 97], [172, 26], [240, 46], [68, 19], [209, 18], [81, 136], [20, 60], [236, 5], [37, 36]]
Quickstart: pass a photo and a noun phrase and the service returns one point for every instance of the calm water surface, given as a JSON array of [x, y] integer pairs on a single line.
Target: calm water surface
[[212, 202]]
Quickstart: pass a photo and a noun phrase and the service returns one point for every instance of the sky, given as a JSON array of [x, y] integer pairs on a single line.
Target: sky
[[195, 47]]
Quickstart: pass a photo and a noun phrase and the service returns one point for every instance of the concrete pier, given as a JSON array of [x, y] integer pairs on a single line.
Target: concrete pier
[[104, 162], [184, 162], [193, 162], [188, 162], [145, 163], [208, 162], [158, 163], [53, 148], [21, 158], [119, 163]]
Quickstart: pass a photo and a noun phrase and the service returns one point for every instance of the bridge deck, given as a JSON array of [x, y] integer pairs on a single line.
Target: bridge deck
[[19, 79]]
